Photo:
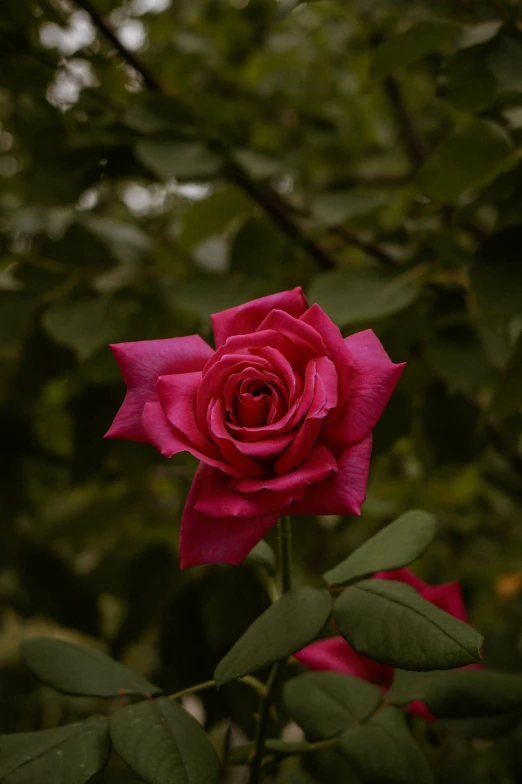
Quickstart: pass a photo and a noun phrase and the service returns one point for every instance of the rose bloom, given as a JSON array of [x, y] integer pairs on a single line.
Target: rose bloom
[[280, 416], [336, 654]]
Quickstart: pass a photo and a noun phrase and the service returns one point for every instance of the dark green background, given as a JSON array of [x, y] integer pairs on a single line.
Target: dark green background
[[367, 151]]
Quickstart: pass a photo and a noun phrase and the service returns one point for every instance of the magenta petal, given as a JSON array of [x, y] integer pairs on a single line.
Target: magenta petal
[[206, 539], [318, 465], [169, 440], [335, 345], [337, 655], [141, 363], [342, 492], [246, 318], [219, 500], [375, 377]]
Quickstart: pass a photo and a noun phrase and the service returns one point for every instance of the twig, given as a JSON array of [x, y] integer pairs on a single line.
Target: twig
[[148, 78], [413, 141], [368, 247]]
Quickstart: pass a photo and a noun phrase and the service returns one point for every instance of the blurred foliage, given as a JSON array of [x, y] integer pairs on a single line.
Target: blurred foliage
[[368, 150]]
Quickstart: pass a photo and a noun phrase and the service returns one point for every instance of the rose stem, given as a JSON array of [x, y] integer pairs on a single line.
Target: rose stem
[[285, 566]]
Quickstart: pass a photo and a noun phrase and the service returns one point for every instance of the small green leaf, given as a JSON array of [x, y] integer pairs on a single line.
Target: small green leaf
[[326, 703], [287, 626], [366, 293], [88, 324], [397, 545], [204, 218], [168, 157], [163, 744], [336, 207], [469, 158], [75, 669], [436, 35], [383, 751], [71, 754], [461, 694], [391, 623], [505, 62]]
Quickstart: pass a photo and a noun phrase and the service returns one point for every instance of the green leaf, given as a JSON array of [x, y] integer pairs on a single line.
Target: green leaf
[[163, 744], [287, 626], [324, 704], [75, 669], [89, 324], [461, 694], [366, 293], [391, 623], [383, 751], [397, 545], [167, 157], [496, 275], [206, 294], [436, 35], [336, 207], [263, 554], [258, 248], [159, 113], [212, 215], [469, 158], [507, 399], [71, 754], [505, 62]]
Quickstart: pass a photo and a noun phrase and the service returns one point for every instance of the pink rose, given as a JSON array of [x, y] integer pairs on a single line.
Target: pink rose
[[336, 654], [280, 415]]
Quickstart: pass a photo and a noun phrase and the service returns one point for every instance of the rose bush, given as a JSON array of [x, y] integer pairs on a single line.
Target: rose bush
[[280, 416], [334, 653]]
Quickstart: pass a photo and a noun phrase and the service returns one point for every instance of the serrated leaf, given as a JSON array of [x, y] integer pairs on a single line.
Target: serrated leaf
[[324, 704], [391, 623], [469, 158], [75, 669], [358, 294], [167, 157], [287, 626], [71, 754], [163, 744], [461, 694], [397, 545], [426, 37], [383, 751]]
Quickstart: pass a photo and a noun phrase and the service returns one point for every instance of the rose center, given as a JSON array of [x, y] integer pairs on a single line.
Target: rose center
[[251, 404]]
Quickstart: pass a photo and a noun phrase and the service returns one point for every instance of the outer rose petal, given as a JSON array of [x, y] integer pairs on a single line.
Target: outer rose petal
[[317, 466], [374, 380], [218, 500], [342, 492], [335, 654], [206, 539], [447, 597], [141, 363], [246, 318], [336, 347]]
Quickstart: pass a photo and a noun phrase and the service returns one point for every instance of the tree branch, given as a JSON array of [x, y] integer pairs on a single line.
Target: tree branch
[[413, 141], [368, 247], [266, 198]]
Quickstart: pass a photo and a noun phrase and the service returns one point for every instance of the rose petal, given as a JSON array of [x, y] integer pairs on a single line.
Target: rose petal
[[246, 318], [337, 655], [219, 500], [299, 334], [178, 396], [141, 363], [336, 347], [374, 380], [169, 440], [314, 469], [342, 492], [206, 539]]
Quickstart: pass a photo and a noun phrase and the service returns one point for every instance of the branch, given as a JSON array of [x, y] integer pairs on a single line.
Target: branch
[[270, 201], [368, 247], [413, 141], [149, 79]]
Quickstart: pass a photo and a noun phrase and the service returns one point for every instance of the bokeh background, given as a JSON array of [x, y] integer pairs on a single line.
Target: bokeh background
[[161, 160]]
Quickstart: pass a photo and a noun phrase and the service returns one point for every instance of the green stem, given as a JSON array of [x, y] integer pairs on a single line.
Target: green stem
[[285, 566], [249, 680]]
